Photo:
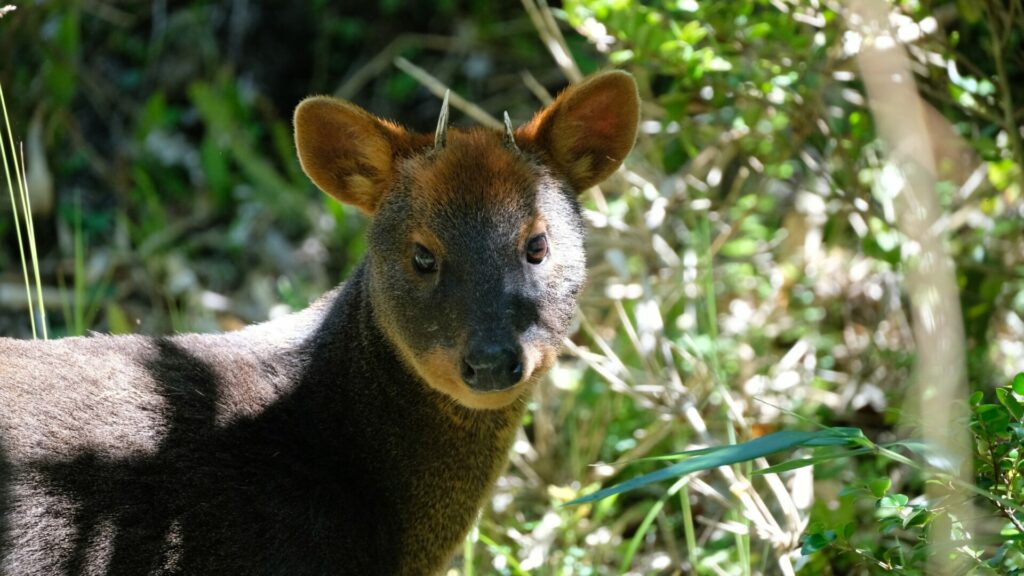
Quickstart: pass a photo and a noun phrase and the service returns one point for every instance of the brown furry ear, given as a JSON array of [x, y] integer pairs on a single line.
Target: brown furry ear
[[346, 151], [589, 129]]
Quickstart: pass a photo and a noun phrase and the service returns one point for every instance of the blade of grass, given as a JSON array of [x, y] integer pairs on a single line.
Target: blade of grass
[[641, 531], [733, 454], [706, 257], [468, 546], [26, 204], [499, 550], [688, 531], [14, 206], [645, 525], [802, 462]]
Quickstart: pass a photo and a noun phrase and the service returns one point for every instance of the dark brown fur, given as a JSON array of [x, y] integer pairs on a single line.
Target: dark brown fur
[[341, 439]]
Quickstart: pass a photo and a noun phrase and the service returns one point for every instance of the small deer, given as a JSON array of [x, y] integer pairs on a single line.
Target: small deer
[[359, 436]]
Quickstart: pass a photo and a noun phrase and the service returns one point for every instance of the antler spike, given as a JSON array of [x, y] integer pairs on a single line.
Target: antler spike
[[510, 137], [441, 135]]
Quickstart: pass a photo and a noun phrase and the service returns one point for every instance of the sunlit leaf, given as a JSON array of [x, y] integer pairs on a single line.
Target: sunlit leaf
[[1007, 399], [1018, 384], [879, 486]]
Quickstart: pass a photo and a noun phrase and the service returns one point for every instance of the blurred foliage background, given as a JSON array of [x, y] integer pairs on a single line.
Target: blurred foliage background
[[747, 266]]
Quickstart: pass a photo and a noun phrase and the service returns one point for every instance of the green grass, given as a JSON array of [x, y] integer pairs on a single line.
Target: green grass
[[17, 161]]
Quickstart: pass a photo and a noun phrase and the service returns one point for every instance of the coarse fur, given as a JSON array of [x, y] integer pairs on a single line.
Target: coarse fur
[[359, 436]]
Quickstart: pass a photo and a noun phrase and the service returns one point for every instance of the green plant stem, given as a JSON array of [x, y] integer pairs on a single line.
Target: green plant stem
[[1009, 515]]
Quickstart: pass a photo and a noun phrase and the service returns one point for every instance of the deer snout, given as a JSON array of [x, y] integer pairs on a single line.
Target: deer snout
[[490, 367]]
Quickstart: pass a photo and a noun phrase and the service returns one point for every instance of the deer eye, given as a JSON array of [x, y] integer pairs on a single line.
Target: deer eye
[[423, 260], [537, 249]]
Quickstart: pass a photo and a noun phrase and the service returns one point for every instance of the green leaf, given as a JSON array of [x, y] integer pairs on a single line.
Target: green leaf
[[1007, 399], [814, 542], [879, 486], [759, 30], [731, 454], [692, 32], [1018, 384], [740, 248], [892, 501], [918, 517], [889, 524], [993, 417]]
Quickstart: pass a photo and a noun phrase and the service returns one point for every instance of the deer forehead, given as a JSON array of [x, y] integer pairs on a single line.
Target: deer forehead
[[474, 171], [474, 184]]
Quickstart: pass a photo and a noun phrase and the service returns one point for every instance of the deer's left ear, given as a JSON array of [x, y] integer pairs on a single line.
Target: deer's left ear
[[588, 130]]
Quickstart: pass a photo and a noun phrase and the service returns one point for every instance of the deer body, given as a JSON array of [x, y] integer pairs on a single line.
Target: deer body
[[359, 436]]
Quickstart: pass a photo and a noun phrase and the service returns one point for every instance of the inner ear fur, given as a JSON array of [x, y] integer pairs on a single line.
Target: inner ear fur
[[348, 152], [589, 129]]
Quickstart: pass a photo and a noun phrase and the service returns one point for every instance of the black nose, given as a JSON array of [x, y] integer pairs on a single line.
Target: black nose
[[492, 367]]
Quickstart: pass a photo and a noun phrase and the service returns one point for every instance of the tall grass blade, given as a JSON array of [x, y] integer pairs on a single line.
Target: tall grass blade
[[641, 532], [14, 205], [26, 204], [468, 559], [645, 525], [688, 531], [732, 454]]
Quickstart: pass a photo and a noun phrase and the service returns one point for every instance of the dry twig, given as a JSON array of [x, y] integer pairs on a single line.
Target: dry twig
[[439, 88]]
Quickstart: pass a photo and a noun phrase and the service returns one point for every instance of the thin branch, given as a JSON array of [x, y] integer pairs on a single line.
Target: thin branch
[[537, 88], [384, 58], [438, 88], [547, 28]]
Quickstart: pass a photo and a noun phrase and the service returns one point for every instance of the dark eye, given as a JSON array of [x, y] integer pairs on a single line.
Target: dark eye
[[423, 260], [537, 249]]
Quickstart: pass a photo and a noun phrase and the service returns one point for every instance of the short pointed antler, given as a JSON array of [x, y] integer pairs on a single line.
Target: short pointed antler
[[510, 137], [441, 135]]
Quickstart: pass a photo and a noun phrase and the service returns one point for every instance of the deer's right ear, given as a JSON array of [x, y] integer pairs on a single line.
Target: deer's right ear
[[346, 151]]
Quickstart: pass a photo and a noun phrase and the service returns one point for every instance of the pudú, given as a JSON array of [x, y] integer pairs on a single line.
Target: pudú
[[359, 436]]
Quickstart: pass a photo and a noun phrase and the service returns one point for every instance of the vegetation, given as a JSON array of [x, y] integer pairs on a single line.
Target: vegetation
[[757, 279]]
